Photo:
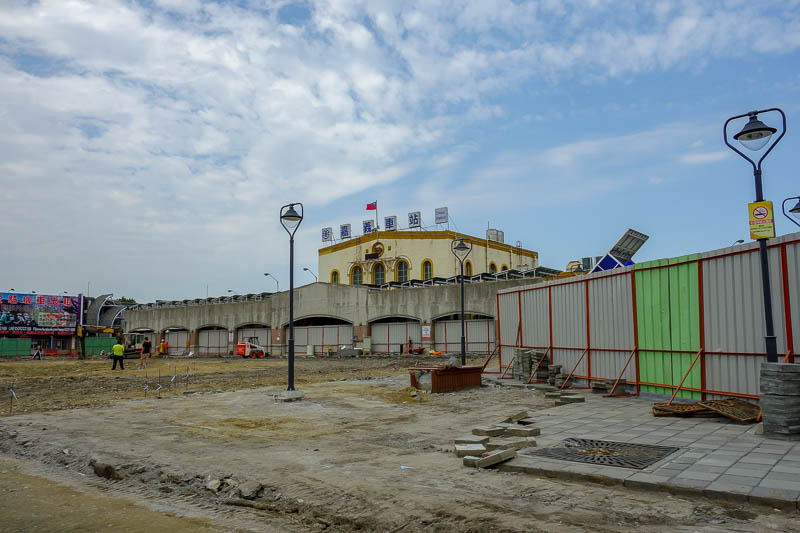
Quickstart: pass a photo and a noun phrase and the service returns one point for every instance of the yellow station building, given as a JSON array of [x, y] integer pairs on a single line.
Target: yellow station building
[[381, 257]]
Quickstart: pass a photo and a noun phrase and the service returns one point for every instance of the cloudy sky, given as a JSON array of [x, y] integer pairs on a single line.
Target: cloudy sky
[[147, 145]]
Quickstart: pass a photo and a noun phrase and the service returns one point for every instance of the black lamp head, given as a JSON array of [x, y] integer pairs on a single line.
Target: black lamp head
[[755, 134]]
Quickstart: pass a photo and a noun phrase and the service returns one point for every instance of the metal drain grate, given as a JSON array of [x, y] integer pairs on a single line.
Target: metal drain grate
[[606, 453]]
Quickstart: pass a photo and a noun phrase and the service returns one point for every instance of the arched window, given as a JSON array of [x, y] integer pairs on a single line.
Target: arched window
[[378, 274], [503, 268], [401, 271], [492, 268], [467, 267], [355, 275], [334, 276], [427, 269]]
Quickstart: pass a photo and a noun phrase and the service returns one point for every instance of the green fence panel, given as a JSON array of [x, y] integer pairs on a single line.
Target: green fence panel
[[13, 346], [94, 345], [668, 318]]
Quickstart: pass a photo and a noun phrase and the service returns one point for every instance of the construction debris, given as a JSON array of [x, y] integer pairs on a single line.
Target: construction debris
[[462, 450], [733, 408], [493, 458], [604, 387], [471, 439], [566, 399], [499, 442]]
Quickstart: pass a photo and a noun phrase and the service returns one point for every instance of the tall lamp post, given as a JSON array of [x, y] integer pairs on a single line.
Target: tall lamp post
[[795, 210], [309, 271], [290, 220], [277, 285], [754, 136], [461, 249]]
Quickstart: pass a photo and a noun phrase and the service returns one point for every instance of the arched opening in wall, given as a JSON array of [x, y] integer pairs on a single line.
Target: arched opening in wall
[[479, 334], [335, 277], [503, 268], [468, 268], [492, 268], [395, 334], [212, 340], [401, 271], [319, 335], [258, 334], [427, 269], [378, 274], [176, 340], [356, 275]]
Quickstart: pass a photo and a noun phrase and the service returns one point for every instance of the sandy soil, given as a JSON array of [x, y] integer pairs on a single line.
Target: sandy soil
[[356, 454]]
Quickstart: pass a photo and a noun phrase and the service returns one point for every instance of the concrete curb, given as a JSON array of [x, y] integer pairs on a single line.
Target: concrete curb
[[774, 499]]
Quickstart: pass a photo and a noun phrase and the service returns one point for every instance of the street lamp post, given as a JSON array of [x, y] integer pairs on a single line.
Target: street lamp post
[[277, 285], [754, 136], [461, 249], [309, 271], [290, 220], [795, 210]]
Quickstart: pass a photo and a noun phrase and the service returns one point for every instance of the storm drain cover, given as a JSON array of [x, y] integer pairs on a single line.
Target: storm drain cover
[[606, 453]]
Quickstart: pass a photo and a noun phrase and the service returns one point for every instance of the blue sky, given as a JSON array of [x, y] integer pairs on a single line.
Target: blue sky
[[148, 145]]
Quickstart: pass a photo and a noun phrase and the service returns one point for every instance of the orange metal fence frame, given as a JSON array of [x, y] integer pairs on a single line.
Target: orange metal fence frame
[[635, 352]]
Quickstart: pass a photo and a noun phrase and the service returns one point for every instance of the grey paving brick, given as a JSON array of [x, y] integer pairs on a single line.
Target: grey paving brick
[[738, 480], [786, 470], [698, 467], [774, 497], [667, 472], [780, 484], [693, 474], [694, 455], [679, 485], [713, 461], [727, 491], [783, 476], [740, 470], [645, 481], [760, 459]]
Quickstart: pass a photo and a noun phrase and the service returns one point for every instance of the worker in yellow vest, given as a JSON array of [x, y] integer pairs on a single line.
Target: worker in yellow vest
[[118, 350]]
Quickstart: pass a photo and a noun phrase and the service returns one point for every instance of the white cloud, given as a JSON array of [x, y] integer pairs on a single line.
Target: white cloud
[[707, 157], [184, 125]]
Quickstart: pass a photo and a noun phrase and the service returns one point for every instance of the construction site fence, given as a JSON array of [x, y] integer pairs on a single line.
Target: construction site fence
[[665, 313]]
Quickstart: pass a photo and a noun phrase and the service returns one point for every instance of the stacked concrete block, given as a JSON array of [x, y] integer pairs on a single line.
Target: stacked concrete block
[[522, 363], [553, 371], [780, 400], [605, 386]]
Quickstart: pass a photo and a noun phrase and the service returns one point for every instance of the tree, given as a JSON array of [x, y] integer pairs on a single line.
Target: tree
[[124, 300]]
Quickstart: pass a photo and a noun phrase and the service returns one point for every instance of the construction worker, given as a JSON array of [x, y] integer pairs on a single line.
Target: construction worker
[[118, 350]]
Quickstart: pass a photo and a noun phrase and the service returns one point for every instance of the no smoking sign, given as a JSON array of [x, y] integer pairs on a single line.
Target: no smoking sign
[[762, 223]]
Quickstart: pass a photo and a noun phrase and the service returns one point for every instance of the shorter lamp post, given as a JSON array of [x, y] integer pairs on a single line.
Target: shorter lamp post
[[794, 210], [277, 285], [754, 136], [309, 271], [461, 249], [290, 220]]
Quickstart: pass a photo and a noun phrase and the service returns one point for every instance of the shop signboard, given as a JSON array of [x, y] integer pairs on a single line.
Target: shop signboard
[[39, 314]]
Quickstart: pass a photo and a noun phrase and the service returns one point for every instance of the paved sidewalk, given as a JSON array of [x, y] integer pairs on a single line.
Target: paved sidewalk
[[718, 457]]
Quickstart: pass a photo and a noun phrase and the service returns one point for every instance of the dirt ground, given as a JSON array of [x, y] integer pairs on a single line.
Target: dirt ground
[[85, 451]]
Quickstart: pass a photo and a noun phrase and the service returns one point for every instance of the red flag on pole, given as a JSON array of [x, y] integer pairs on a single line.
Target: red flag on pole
[[372, 206]]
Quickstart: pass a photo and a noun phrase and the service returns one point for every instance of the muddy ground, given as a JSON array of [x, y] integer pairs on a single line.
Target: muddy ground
[[85, 451]]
